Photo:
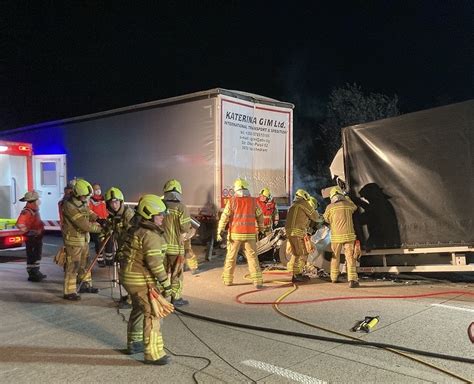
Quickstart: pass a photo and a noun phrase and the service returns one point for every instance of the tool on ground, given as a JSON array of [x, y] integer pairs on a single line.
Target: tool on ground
[[365, 325], [470, 332]]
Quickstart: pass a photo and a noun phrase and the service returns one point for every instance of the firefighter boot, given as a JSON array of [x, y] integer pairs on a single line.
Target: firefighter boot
[[162, 361], [88, 288], [179, 302], [135, 347], [35, 275], [72, 297], [298, 279], [353, 284]]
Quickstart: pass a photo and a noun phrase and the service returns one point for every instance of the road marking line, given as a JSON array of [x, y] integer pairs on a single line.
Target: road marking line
[[452, 307], [283, 372], [52, 245], [9, 370]]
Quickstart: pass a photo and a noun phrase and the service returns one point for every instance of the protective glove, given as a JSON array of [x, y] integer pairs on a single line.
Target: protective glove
[[167, 291], [102, 222], [219, 237]]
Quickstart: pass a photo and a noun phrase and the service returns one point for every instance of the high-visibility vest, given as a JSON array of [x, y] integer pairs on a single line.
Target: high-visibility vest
[[243, 215]]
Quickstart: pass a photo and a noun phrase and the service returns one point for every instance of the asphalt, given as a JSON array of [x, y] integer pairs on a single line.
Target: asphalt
[[45, 339]]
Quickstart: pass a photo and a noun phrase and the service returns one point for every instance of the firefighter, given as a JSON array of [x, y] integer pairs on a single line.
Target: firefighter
[[66, 196], [298, 219], [78, 222], [97, 205], [269, 210], [244, 218], [118, 222], [142, 270], [176, 224], [338, 215], [29, 222]]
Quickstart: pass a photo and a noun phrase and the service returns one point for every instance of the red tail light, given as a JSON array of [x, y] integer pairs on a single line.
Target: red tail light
[[12, 241]]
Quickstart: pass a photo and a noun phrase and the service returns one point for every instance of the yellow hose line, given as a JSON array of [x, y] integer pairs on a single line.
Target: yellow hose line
[[295, 287]]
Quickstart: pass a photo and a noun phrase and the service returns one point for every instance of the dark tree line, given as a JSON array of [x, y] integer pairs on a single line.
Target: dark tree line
[[315, 146]]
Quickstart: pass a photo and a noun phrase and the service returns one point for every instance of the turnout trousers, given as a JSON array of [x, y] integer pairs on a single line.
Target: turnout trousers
[[143, 325], [297, 250], [350, 261], [34, 248], [174, 265], [233, 247], [76, 264]]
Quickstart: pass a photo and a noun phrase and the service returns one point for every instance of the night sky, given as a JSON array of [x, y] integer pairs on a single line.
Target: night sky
[[63, 59]]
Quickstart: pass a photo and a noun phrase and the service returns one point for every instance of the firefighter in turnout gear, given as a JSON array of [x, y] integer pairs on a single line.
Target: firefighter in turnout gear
[[338, 215], [143, 274], [176, 224], [29, 222], [298, 219], [119, 218], [269, 209], [98, 206], [244, 218], [118, 222], [78, 222]]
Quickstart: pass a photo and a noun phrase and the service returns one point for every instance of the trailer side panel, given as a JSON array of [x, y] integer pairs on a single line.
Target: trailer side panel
[[415, 174]]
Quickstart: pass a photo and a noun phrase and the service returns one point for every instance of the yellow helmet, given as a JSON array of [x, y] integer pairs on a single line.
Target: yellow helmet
[[266, 192], [149, 206], [114, 194], [172, 185], [82, 188], [240, 184], [313, 202], [303, 194], [335, 191]]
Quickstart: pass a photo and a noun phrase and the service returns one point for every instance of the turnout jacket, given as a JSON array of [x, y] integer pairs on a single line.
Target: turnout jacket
[[176, 223], [299, 216], [142, 256], [119, 222], [77, 222], [339, 217]]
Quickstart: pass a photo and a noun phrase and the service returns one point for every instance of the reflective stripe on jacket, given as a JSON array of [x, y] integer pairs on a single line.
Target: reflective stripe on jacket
[[119, 222], [30, 220], [244, 217], [339, 217], [298, 218], [76, 223], [142, 257], [176, 223]]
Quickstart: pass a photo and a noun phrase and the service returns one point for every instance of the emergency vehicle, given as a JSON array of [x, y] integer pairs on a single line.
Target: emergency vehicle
[[22, 171]]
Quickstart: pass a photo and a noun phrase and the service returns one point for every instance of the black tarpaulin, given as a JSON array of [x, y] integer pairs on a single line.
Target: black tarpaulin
[[413, 178]]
